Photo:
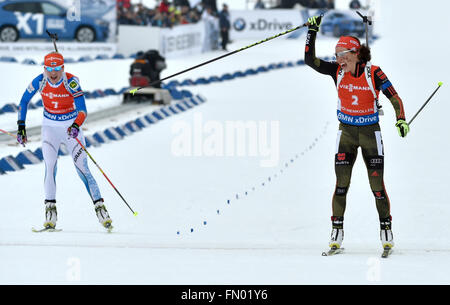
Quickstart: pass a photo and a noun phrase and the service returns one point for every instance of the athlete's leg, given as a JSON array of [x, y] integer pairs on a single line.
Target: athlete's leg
[[51, 140], [79, 158], [346, 152], [373, 153]]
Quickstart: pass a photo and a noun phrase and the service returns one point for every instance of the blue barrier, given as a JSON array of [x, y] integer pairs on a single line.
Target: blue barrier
[[121, 91], [172, 108], [63, 151], [131, 126], [8, 59], [176, 95], [112, 134], [27, 157], [238, 74], [69, 60], [110, 91], [157, 115], [99, 138], [85, 59], [9, 108], [180, 107], [10, 164], [28, 61], [165, 112], [101, 57], [201, 81], [262, 69], [250, 72], [91, 141], [171, 84], [149, 119], [141, 123], [38, 154], [98, 93], [120, 131], [187, 82], [226, 76], [186, 104], [186, 93]]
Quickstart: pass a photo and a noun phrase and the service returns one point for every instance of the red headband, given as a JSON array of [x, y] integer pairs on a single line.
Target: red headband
[[53, 59], [349, 43]]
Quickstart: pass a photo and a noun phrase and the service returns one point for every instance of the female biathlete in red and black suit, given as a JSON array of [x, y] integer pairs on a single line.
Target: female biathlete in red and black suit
[[358, 84]]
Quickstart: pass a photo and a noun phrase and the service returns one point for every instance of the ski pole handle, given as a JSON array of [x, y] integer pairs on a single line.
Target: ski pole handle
[[426, 102], [10, 134]]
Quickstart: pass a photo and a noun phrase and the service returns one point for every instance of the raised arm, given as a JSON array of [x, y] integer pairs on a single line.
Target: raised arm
[[321, 66]]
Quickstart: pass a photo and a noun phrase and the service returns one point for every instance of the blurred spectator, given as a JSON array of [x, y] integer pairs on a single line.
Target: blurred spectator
[[164, 6], [162, 15], [354, 4], [212, 4], [211, 29], [224, 24], [330, 5], [259, 5], [126, 16], [140, 71], [181, 3], [157, 64], [123, 4]]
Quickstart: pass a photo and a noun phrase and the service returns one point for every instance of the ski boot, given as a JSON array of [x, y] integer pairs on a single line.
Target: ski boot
[[386, 236], [337, 232], [50, 214], [102, 214]]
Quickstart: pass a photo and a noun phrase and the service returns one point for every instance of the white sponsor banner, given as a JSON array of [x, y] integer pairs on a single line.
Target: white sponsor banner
[[135, 38], [68, 49], [262, 23], [182, 40]]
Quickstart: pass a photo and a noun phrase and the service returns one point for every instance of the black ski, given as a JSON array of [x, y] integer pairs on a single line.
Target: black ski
[[386, 252], [333, 251]]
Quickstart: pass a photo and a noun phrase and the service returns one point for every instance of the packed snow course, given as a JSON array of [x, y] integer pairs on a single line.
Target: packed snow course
[[260, 217]]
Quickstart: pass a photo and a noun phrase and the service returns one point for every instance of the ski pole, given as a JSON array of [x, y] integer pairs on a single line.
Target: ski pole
[[54, 38], [10, 134], [84, 148], [133, 91], [366, 22], [423, 106]]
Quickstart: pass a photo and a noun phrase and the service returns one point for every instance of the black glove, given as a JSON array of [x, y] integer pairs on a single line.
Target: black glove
[[73, 130], [21, 132], [314, 23]]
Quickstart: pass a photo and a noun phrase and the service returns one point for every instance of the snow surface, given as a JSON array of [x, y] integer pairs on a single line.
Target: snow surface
[[250, 224]]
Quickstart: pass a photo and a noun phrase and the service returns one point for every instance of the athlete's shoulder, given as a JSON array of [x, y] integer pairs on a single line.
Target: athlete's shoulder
[[35, 83], [73, 82], [379, 74], [39, 78]]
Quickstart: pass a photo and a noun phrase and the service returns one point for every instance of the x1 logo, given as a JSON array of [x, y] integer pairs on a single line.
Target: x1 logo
[[22, 22]]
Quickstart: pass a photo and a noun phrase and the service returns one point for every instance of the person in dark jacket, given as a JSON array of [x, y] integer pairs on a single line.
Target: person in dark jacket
[[224, 24]]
